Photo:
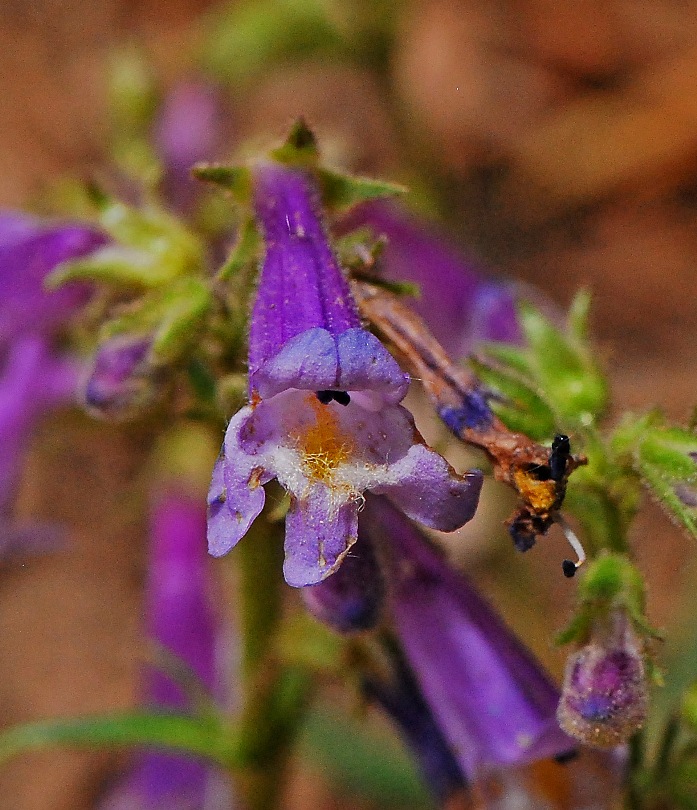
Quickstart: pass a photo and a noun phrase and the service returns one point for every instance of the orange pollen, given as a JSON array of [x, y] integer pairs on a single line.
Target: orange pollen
[[323, 445]]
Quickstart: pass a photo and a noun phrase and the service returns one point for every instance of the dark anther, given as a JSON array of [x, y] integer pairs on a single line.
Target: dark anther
[[561, 450], [567, 756], [325, 397], [569, 568]]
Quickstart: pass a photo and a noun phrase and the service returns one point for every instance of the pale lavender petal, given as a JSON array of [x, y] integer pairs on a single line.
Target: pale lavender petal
[[308, 361], [366, 365], [236, 496], [318, 536], [430, 491], [493, 701], [301, 285]]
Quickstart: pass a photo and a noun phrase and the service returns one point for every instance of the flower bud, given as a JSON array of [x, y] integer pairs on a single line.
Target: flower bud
[[122, 379], [605, 697]]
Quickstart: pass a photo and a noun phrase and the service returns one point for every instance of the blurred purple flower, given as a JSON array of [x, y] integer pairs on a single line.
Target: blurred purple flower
[[181, 618], [33, 377], [461, 306], [398, 694], [324, 415], [494, 704], [29, 250], [188, 129]]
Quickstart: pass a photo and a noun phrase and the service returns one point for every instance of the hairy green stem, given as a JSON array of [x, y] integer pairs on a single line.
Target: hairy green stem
[[275, 695]]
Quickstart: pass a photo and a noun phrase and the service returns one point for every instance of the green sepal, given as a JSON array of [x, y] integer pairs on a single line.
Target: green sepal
[[578, 317], [235, 179], [523, 409], [342, 191], [172, 315], [578, 629], [668, 498], [610, 583], [245, 251], [300, 147], [205, 737]]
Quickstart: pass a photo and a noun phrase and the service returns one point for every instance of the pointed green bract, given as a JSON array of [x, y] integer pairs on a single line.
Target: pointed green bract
[[665, 458], [342, 191], [551, 383]]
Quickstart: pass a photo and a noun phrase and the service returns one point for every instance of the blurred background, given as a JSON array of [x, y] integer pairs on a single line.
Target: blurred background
[[555, 142]]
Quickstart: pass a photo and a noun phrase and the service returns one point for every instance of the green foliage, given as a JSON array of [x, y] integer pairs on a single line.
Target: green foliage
[[552, 382], [151, 248], [611, 583], [206, 737], [235, 179], [665, 459], [250, 36]]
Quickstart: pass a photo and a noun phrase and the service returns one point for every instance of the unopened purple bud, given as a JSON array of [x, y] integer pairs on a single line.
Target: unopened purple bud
[[605, 697], [350, 599], [122, 379]]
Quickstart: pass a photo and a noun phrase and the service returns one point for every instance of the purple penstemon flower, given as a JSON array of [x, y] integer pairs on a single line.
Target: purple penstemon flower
[[324, 415], [493, 702], [180, 617]]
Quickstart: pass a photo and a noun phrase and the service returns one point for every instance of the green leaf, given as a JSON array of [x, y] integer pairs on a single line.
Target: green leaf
[[206, 738], [342, 191]]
